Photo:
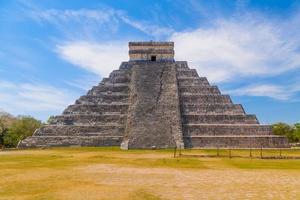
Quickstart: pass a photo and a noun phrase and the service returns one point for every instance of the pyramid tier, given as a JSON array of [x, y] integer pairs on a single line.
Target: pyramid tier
[[181, 65], [80, 130], [205, 98], [229, 109], [225, 129], [103, 98], [99, 119], [97, 109], [118, 73], [121, 79], [56, 141], [194, 81], [187, 73], [121, 73], [107, 88], [235, 141], [199, 90], [219, 119]]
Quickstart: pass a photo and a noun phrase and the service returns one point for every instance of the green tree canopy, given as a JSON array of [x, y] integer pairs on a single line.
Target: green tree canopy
[[5, 122], [296, 132], [3, 131], [20, 129], [291, 132]]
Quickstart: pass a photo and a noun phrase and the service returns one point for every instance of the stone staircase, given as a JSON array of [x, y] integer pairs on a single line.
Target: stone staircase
[[96, 119], [210, 119]]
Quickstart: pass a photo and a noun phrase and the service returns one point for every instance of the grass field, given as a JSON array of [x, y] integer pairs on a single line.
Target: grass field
[[109, 173]]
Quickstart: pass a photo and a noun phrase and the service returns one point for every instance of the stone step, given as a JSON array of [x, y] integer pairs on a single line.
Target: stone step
[[115, 80], [99, 109], [199, 89], [87, 119], [103, 98], [124, 66], [219, 119], [112, 84], [75, 130], [194, 81], [184, 68], [205, 98], [228, 109], [47, 141], [181, 65], [187, 73], [119, 72], [108, 88], [233, 141], [225, 129], [109, 94]]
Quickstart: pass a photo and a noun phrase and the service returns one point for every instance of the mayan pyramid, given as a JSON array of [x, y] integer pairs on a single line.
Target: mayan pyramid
[[153, 101]]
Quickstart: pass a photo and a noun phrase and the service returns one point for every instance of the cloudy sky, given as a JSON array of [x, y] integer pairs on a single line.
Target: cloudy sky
[[53, 51]]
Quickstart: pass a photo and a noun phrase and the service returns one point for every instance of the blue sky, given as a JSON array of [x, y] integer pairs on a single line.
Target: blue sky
[[53, 51]]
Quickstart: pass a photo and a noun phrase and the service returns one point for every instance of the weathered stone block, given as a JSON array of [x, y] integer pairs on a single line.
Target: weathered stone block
[[235, 141], [96, 109], [210, 109], [226, 129], [199, 90], [219, 119], [193, 81]]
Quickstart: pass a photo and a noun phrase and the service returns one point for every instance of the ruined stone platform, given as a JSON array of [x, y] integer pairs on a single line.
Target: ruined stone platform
[[153, 101]]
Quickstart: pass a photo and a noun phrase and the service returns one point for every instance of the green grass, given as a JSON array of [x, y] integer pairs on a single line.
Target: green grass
[[110, 173]]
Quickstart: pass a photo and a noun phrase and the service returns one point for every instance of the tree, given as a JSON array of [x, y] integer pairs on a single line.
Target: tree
[[296, 132], [283, 129], [20, 129], [3, 131], [5, 122]]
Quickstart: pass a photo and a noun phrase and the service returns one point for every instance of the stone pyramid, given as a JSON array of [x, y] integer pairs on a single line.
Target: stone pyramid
[[153, 101]]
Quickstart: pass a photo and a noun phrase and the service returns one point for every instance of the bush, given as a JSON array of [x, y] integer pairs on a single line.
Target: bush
[[291, 132], [20, 129], [5, 122], [296, 131], [3, 131]]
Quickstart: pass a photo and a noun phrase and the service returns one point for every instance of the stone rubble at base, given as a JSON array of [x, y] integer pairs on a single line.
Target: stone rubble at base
[[155, 104]]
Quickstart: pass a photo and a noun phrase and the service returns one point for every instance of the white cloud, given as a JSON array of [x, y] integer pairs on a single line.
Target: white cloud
[[145, 27], [29, 98], [286, 92], [272, 91], [99, 58], [227, 51], [240, 47], [94, 21]]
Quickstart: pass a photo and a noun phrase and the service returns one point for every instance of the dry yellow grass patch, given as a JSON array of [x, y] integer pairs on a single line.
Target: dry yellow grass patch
[[109, 173]]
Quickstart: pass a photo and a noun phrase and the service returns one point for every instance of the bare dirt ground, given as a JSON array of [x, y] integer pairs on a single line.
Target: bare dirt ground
[[114, 174]]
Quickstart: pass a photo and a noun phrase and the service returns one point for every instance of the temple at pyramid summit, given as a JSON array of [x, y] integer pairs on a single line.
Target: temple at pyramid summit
[[153, 101]]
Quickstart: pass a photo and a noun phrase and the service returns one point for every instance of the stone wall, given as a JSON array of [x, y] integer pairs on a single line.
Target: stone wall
[[235, 141], [143, 51]]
